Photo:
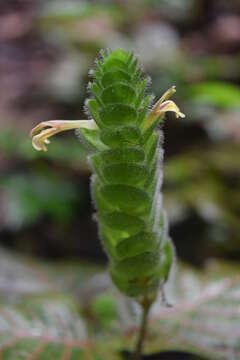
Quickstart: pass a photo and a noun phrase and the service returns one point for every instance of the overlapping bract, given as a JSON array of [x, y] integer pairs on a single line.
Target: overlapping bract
[[127, 176]]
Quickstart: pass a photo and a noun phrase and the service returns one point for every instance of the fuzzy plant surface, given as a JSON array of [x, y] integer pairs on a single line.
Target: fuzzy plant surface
[[126, 155]]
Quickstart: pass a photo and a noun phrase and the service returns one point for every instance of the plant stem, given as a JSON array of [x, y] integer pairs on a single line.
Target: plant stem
[[146, 305]]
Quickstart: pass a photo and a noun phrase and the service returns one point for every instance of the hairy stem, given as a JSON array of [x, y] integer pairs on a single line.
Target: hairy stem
[[146, 305]]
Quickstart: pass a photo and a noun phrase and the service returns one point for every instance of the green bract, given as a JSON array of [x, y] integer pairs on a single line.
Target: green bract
[[126, 159], [127, 177]]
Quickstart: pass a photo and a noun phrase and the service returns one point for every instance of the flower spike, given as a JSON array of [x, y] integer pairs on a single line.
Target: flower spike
[[41, 133]]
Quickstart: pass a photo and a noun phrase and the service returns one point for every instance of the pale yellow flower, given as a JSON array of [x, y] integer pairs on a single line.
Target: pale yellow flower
[[164, 105], [42, 132]]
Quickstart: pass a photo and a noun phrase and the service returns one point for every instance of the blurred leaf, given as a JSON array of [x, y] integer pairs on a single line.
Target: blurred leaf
[[214, 66], [84, 26], [21, 277], [70, 151], [70, 11], [104, 308], [208, 325], [28, 197], [220, 94], [204, 319], [40, 312], [174, 9], [206, 182], [46, 328]]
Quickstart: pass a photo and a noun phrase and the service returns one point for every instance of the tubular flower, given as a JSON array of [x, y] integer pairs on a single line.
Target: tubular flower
[[164, 105], [42, 132]]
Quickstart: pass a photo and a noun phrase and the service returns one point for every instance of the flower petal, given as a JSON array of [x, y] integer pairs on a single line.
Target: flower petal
[[162, 106], [42, 132], [169, 105]]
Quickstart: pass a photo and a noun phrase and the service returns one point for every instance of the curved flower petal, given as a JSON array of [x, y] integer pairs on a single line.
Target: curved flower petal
[[162, 106], [42, 132], [169, 105]]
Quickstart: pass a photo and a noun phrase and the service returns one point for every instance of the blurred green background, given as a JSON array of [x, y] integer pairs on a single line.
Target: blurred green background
[[47, 49]]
